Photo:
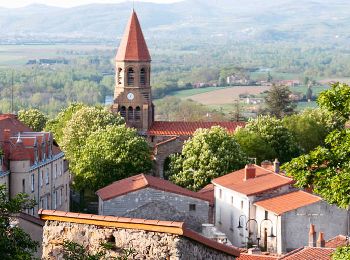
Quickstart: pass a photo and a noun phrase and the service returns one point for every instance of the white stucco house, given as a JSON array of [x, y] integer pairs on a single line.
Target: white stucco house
[[259, 206]]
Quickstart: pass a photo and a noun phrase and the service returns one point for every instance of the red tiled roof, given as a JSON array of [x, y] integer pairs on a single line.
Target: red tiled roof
[[310, 253], [245, 256], [188, 128], [10, 121], [141, 224], [19, 153], [133, 46], [337, 241], [265, 180], [208, 192], [142, 181], [287, 202]]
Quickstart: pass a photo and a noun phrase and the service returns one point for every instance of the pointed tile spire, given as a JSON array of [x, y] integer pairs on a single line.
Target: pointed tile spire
[[133, 46]]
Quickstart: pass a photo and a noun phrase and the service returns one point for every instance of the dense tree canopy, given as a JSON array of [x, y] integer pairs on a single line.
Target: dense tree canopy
[[14, 242], [209, 154], [57, 124], [33, 118], [273, 140], [326, 169], [342, 253], [110, 154]]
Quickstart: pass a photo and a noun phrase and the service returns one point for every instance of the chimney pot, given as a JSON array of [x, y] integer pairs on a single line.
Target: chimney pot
[[320, 241], [249, 172], [7, 134], [312, 236], [266, 164], [276, 166]]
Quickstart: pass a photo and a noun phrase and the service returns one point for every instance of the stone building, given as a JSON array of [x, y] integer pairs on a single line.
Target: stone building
[[148, 197], [257, 205], [133, 98], [32, 163], [150, 239]]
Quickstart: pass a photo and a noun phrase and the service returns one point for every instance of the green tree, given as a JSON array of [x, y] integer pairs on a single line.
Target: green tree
[[337, 100], [310, 127], [110, 154], [309, 93], [33, 118], [279, 141], [14, 242], [278, 101], [210, 153], [326, 169], [84, 122], [342, 253], [57, 125]]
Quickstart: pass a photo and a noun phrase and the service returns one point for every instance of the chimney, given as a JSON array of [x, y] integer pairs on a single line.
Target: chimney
[[320, 241], [249, 172], [266, 164], [276, 166], [312, 236], [255, 250]]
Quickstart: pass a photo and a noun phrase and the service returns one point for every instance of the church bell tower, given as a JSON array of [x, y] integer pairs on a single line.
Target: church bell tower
[[132, 94]]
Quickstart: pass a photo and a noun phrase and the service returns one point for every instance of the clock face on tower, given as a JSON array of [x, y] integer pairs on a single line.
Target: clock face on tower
[[130, 96]]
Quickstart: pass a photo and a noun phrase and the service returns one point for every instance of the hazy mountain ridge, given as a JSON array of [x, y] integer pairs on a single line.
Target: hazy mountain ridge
[[239, 19]]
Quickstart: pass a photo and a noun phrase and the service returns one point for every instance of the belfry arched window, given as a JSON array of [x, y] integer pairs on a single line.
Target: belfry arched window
[[130, 114], [143, 77], [123, 111], [137, 114], [120, 75], [131, 76]]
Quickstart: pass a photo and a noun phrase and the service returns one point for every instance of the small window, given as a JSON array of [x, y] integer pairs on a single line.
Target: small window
[[266, 214], [130, 114], [219, 215], [123, 112], [47, 177], [192, 207], [41, 178], [60, 197], [137, 114], [143, 77], [23, 185], [32, 182], [61, 168], [242, 204], [42, 203], [55, 173], [232, 200], [66, 192], [54, 200], [131, 76], [220, 194], [47, 199]]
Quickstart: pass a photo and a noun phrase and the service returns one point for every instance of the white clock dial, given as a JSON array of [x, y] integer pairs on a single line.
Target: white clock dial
[[130, 96]]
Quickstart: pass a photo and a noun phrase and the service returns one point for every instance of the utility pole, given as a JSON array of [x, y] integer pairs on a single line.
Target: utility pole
[[12, 109]]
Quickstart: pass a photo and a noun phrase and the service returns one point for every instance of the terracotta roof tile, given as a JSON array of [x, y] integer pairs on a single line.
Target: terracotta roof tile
[[265, 180], [245, 256], [288, 202], [337, 241], [310, 253], [142, 181], [133, 46], [188, 128], [178, 225]]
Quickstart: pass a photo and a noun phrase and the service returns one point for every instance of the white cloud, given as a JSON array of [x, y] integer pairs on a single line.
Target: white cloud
[[70, 3]]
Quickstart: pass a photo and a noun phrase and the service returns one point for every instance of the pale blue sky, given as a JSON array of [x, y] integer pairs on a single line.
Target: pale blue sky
[[70, 3]]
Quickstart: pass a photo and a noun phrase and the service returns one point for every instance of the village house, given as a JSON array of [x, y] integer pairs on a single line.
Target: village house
[[259, 206], [148, 197], [150, 239]]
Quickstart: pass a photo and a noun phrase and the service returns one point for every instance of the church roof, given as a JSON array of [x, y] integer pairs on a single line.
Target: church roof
[[188, 128], [133, 46]]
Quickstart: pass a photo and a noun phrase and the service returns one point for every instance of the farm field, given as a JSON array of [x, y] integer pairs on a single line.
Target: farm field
[[225, 95]]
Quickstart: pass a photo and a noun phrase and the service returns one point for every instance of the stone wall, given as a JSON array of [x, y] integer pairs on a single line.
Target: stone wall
[[123, 205], [147, 244]]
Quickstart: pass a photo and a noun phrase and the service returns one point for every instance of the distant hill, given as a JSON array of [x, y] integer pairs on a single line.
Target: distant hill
[[291, 20]]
